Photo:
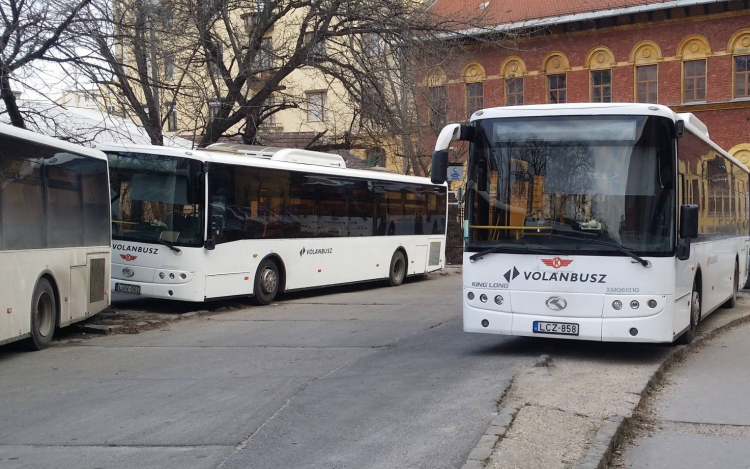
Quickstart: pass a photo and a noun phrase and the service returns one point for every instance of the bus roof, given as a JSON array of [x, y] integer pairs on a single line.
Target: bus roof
[[24, 134], [692, 123], [286, 163]]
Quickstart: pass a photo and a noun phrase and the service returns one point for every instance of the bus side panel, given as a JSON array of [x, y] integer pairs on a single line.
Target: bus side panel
[[418, 260]]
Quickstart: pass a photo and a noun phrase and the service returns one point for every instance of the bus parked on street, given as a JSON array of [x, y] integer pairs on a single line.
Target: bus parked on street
[[236, 220], [608, 222], [54, 235]]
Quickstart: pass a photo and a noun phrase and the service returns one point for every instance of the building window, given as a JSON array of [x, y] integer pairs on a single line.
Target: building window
[[371, 44], [318, 50], [375, 157], [646, 84], [742, 76], [264, 56], [474, 98], [694, 81], [558, 89], [437, 108], [316, 106], [214, 106], [601, 86], [172, 118], [514, 92], [169, 67]]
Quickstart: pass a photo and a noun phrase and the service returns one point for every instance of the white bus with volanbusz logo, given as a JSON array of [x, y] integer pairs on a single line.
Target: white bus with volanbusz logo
[[54, 235], [238, 220], [606, 222]]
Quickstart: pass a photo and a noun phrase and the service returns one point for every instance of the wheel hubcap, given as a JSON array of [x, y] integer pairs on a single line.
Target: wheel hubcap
[[696, 308], [268, 280], [44, 314]]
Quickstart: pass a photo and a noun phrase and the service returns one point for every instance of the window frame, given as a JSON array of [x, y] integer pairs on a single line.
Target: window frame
[[694, 79], [475, 102], [515, 93], [323, 117], [654, 82], [601, 87], [746, 74], [550, 90]]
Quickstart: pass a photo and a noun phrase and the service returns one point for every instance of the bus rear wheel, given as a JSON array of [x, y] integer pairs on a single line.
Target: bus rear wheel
[[266, 283], [732, 301], [397, 272], [43, 316]]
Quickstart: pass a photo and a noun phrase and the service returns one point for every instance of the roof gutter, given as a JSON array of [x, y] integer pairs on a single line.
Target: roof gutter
[[470, 32]]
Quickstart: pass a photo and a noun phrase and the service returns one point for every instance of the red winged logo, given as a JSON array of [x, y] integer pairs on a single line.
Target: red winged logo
[[130, 257], [557, 262]]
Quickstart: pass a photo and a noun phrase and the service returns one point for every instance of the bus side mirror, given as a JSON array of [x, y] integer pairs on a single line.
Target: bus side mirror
[[679, 128], [439, 167], [688, 221], [450, 133]]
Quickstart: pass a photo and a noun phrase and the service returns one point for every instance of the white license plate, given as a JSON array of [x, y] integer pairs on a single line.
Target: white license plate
[[562, 328], [125, 288]]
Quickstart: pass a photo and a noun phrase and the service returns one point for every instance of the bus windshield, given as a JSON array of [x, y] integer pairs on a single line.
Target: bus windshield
[[559, 183], [156, 198]]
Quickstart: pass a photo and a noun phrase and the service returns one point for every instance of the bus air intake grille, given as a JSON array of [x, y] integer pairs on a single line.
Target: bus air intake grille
[[96, 280]]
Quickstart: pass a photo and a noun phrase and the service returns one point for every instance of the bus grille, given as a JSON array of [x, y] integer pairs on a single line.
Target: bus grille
[[96, 280]]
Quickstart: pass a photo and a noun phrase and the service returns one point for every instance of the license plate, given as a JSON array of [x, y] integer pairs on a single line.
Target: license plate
[[562, 328], [122, 287]]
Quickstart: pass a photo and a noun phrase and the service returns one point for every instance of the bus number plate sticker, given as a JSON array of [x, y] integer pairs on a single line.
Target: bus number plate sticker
[[121, 287], [560, 328], [434, 258]]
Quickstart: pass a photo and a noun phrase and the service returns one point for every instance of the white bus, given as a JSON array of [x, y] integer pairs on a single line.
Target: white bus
[[54, 235], [612, 222], [252, 221]]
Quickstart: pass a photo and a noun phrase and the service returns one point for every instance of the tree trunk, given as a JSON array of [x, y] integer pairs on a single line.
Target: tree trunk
[[16, 119]]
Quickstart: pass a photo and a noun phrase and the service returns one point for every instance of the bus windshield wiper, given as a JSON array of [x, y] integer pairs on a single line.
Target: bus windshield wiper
[[170, 246], [620, 248], [481, 254]]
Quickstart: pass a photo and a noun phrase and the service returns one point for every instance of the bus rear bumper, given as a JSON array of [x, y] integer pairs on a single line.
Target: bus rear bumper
[[182, 291], [656, 328]]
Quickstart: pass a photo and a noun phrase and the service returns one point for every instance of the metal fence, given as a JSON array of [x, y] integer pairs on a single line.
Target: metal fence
[[454, 244]]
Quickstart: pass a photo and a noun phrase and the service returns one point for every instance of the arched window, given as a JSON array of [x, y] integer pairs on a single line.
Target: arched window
[[436, 98], [600, 62], [513, 71], [693, 50], [555, 65], [739, 47], [645, 57], [473, 76]]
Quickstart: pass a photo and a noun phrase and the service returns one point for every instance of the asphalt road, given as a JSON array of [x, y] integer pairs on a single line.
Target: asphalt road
[[701, 418], [375, 377]]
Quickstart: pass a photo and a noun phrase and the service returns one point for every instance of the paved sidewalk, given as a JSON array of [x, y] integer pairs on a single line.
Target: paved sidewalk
[[701, 417]]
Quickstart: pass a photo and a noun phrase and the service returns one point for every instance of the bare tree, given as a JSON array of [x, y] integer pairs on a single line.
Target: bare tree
[[33, 30]]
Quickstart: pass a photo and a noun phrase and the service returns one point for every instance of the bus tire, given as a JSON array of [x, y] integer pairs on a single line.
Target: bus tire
[[43, 316], [266, 283], [732, 301], [695, 317], [397, 272]]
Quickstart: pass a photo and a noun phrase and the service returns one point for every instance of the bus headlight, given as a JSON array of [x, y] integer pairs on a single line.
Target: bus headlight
[[470, 295], [652, 303], [483, 298], [498, 299], [634, 304], [162, 275], [617, 304]]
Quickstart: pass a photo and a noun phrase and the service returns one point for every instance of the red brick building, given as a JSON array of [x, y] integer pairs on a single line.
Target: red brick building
[[691, 55]]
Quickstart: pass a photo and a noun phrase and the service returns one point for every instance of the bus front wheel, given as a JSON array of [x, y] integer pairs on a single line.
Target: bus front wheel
[[266, 283], [398, 269], [43, 316], [695, 317]]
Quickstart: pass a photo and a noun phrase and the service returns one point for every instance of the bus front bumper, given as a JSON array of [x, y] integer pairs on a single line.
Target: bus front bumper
[[183, 291], [655, 328]]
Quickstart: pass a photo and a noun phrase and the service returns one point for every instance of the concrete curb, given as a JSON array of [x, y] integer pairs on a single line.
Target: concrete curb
[[499, 426], [610, 434]]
